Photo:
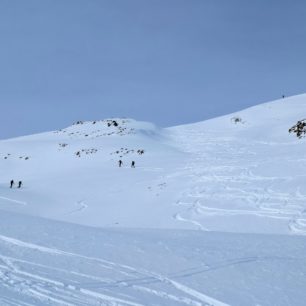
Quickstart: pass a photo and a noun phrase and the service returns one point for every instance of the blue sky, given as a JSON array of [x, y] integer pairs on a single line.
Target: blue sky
[[166, 61]]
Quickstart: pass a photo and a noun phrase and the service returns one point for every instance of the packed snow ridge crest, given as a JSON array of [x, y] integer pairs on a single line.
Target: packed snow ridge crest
[[108, 127]]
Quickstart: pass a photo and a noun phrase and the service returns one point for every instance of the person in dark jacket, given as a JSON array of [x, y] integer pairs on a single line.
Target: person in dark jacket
[[12, 183], [120, 163], [133, 164], [19, 184]]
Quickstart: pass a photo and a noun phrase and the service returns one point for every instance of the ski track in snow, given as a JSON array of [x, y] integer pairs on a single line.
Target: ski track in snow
[[81, 205], [230, 179], [13, 201], [72, 287]]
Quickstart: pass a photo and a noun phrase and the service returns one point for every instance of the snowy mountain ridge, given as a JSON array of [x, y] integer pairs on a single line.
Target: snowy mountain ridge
[[213, 214], [215, 175]]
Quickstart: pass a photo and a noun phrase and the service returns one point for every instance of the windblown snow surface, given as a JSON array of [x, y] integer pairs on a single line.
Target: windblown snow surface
[[213, 214]]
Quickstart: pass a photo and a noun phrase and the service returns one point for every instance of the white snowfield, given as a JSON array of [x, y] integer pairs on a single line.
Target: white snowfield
[[214, 213]]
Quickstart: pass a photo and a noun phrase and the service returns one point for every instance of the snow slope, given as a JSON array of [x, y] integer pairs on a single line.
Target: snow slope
[[90, 188], [45, 262], [248, 176], [212, 175], [82, 231]]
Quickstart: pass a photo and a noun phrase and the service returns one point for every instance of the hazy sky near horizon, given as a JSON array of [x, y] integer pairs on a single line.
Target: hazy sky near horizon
[[166, 61]]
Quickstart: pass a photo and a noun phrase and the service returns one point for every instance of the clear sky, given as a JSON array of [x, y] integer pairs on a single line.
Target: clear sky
[[166, 61]]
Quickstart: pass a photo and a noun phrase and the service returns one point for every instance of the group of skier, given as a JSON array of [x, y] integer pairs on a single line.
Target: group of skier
[[120, 162], [12, 183]]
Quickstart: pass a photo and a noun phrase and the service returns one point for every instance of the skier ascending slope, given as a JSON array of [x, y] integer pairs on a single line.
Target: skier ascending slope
[[12, 183], [19, 184], [120, 163]]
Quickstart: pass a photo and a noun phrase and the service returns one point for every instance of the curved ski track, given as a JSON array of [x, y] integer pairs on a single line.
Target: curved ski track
[[223, 184], [39, 283]]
